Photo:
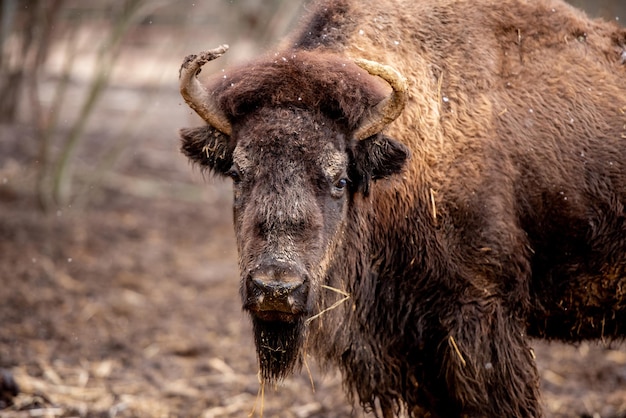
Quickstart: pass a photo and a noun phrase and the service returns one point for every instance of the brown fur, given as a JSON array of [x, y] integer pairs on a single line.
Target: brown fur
[[506, 221], [334, 86]]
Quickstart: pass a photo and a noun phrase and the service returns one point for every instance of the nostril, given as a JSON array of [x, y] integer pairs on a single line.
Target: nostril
[[276, 287]]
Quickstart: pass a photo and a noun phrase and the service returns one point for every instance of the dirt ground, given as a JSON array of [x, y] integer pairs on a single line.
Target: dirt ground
[[129, 306]]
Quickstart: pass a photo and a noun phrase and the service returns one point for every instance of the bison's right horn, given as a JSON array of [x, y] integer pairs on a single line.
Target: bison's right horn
[[389, 108], [194, 93]]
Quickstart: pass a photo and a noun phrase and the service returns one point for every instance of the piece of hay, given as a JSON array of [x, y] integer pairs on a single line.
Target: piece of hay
[[261, 394], [331, 307], [456, 349], [433, 205]]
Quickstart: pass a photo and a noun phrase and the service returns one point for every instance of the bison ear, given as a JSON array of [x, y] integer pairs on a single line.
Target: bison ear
[[208, 147], [377, 157]]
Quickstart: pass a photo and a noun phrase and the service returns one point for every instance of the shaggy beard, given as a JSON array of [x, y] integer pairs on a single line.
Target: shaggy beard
[[278, 347]]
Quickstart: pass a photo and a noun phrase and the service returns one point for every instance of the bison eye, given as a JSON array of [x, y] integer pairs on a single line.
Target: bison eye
[[234, 174], [339, 187]]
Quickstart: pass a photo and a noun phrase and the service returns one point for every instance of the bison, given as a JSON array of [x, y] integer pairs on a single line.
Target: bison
[[420, 187]]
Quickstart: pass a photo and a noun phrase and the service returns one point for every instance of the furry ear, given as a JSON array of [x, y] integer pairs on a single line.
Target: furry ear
[[208, 147], [377, 157]]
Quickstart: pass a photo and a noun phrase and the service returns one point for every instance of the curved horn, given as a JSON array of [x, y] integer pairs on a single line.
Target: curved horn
[[196, 96], [389, 108]]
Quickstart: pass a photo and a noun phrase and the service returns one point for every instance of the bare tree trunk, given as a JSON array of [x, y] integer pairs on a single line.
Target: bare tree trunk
[[24, 42], [13, 56]]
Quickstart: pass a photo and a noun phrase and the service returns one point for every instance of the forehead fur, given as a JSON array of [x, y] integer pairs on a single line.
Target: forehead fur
[[336, 87], [332, 161], [289, 137]]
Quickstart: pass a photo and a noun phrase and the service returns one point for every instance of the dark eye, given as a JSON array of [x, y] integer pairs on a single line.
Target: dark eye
[[339, 187], [234, 174]]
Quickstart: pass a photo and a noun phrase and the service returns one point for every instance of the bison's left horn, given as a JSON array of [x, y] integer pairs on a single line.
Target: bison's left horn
[[389, 108], [196, 95]]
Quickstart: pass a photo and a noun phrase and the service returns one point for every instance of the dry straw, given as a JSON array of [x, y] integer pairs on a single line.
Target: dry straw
[[456, 349], [345, 295]]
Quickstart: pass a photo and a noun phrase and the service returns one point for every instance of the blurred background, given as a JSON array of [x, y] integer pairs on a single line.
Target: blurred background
[[118, 270]]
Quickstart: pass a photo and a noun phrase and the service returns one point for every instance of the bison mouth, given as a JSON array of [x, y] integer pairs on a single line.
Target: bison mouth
[[278, 343], [276, 316]]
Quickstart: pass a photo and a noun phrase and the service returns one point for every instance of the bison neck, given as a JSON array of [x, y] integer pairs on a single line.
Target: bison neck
[[382, 265]]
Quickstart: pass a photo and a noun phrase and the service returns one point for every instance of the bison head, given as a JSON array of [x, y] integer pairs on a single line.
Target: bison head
[[299, 135]]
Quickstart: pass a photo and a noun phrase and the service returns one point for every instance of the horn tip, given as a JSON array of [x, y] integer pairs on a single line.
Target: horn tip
[[195, 61]]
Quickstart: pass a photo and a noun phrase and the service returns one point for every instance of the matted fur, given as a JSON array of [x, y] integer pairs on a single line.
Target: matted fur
[[332, 85], [507, 221]]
